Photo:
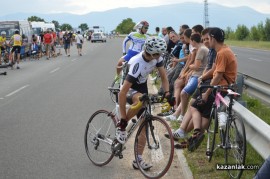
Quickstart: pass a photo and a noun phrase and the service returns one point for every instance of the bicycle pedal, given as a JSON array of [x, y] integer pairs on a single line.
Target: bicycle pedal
[[208, 153]]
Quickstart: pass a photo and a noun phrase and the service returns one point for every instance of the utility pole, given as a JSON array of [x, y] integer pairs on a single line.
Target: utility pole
[[205, 17]]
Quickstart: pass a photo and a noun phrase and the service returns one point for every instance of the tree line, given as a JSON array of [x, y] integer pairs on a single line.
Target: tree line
[[261, 32]]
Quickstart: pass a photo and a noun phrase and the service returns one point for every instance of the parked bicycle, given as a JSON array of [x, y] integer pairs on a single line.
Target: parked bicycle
[[225, 122], [101, 144]]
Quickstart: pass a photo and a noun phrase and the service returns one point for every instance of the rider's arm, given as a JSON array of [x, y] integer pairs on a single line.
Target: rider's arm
[[215, 81], [164, 79], [124, 46], [122, 98]]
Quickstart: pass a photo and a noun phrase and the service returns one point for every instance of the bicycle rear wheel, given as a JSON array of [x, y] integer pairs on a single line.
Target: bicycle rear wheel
[[99, 136], [211, 135], [235, 153], [158, 151]]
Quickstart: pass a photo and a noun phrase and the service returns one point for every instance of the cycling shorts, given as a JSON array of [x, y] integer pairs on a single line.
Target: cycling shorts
[[129, 55], [14, 49]]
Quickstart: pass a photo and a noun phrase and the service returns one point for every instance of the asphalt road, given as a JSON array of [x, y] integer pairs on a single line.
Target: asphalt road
[[253, 62]]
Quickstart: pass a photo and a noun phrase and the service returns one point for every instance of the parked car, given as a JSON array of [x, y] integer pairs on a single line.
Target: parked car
[[98, 36]]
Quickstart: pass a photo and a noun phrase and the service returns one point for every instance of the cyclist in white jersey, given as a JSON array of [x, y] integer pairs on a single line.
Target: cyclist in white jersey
[[137, 40], [135, 85]]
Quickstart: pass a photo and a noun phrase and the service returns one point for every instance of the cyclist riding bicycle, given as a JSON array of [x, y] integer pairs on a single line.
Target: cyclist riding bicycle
[[137, 39], [135, 85]]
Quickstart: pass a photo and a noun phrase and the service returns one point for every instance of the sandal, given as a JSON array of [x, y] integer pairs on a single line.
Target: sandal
[[182, 145], [195, 141]]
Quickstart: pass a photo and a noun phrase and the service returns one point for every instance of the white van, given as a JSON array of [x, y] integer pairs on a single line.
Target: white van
[[25, 31], [98, 36]]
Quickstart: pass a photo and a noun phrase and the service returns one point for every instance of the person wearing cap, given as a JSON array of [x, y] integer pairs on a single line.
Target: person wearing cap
[[225, 73], [2, 44]]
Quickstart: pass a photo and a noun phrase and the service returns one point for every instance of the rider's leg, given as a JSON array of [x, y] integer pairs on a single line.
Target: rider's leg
[[119, 66]]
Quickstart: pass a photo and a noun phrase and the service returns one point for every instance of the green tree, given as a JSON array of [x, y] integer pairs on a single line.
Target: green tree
[[84, 27], [267, 29], [125, 27], [261, 31], [228, 33], [65, 27], [254, 33], [35, 18], [56, 24], [242, 32]]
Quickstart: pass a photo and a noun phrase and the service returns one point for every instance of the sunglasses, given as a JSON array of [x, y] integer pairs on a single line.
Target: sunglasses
[[156, 55], [146, 28]]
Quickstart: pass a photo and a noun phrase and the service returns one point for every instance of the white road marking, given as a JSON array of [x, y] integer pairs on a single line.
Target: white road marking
[[54, 70], [74, 59], [254, 59], [16, 91]]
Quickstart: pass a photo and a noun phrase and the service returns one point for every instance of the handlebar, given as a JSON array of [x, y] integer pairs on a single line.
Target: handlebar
[[218, 87]]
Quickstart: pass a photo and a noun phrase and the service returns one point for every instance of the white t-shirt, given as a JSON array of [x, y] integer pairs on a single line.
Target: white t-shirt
[[79, 37]]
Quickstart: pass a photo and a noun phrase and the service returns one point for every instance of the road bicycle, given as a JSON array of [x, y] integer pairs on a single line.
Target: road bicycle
[[117, 83], [232, 135], [101, 145]]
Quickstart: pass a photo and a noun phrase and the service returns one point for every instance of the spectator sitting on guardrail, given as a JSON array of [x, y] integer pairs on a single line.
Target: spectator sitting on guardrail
[[225, 73], [204, 79]]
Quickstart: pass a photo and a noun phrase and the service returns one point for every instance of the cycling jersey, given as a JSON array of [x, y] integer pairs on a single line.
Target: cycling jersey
[[2, 40], [137, 40], [139, 70], [17, 40]]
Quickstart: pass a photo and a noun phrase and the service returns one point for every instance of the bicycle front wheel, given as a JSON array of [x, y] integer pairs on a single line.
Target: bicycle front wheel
[[235, 153], [211, 135], [154, 147], [99, 136]]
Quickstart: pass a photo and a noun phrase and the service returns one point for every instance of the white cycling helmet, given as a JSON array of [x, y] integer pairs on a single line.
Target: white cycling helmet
[[141, 24], [3, 33], [155, 45]]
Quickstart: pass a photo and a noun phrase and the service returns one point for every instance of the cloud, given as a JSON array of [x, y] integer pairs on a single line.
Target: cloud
[[86, 6]]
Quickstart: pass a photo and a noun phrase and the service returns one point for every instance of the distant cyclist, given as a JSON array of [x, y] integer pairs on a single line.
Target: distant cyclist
[[137, 40], [135, 85], [2, 44], [16, 42]]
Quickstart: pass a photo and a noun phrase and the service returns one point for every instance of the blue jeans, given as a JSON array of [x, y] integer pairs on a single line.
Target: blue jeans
[[264, 172]]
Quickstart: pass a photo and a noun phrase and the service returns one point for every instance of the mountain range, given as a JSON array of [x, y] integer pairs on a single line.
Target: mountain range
[[158, 16]]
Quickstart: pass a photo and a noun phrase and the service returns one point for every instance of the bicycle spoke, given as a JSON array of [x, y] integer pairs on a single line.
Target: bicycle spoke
[[157, 149], [99, 135]]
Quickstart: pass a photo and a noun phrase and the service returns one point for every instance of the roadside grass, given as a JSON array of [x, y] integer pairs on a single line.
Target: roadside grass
[[257, 107], [198, 161], [250, 44]]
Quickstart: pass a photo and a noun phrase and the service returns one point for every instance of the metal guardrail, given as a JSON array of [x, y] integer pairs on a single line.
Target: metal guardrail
[[257, 88], [257, 131]]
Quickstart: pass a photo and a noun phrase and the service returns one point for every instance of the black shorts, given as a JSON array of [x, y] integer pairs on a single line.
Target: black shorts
[[205, 109], [131, 93], [16, 47]]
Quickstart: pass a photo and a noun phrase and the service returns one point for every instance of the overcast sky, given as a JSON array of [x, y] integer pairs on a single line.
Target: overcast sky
[[86, 6]]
